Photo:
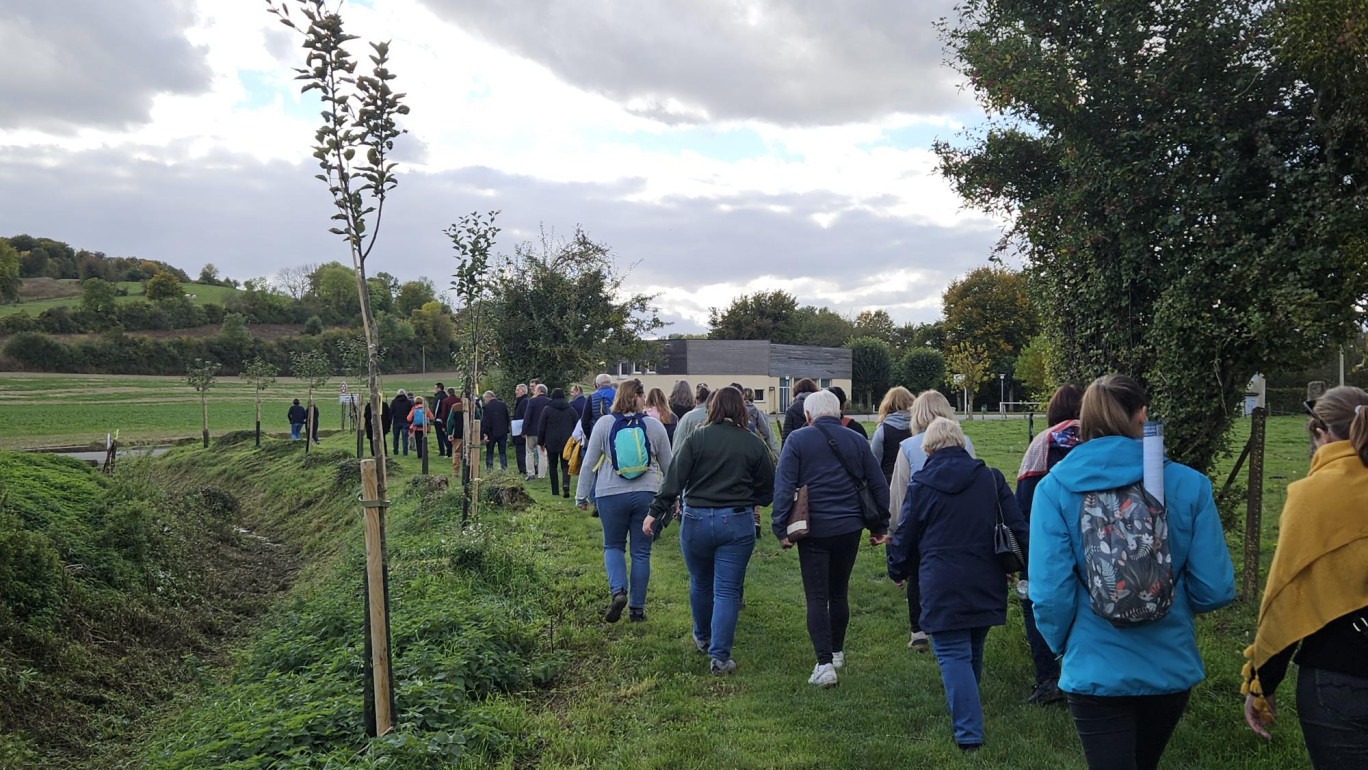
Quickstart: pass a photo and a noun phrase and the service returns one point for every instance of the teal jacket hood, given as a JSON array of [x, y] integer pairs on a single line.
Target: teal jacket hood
[[1103, 463]]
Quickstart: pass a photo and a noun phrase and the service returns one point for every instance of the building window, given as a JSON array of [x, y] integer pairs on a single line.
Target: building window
[[824, 383], [785, 389], [759, 394]]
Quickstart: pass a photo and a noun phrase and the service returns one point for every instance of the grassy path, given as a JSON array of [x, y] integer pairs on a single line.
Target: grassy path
[[640, 695]]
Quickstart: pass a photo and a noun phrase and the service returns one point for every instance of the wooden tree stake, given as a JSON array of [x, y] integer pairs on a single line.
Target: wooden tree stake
[[377, 608], [1249, 583]]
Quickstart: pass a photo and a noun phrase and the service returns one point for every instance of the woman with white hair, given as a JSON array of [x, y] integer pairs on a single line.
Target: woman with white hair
[[830, 461], [946, 544], [911, 456]]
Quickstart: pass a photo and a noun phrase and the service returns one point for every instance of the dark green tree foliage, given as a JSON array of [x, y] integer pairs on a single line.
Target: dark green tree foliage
[[412, 295], [98, 297], [1185, 179], [921, 369], [822, 327], [875, 323], [764, 315], [871, 369], [163, 285], [9, 273], [314, 326], [560, 311], [46, 258]]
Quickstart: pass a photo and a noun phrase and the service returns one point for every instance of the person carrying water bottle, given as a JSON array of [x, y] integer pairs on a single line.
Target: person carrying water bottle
[[624, 462]]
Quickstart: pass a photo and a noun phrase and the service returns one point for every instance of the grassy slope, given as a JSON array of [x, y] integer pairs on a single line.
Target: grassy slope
[[204, 294], [637, 695], [45, 410]]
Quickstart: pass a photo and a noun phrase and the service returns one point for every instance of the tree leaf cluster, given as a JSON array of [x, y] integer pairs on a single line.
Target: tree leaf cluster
[[1185, 181]]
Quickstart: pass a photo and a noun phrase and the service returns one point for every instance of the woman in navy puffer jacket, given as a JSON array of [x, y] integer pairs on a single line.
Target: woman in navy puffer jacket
[[946, 543]]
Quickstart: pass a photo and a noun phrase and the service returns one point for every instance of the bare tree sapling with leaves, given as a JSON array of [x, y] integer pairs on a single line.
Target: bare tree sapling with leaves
[[261, 374], [473, 239], [313, 368], [353, 147], [201, 375], [355, 365]]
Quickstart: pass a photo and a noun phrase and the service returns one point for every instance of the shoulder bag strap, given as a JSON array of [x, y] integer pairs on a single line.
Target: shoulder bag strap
[[997, 499], [831, 444]]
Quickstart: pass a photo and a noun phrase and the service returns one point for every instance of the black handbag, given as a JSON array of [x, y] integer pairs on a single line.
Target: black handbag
[[1005, 546], [869, 510]]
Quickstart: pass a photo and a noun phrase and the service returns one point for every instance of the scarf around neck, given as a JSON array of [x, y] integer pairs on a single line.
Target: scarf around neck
[[1036, 461], [1320, 567]]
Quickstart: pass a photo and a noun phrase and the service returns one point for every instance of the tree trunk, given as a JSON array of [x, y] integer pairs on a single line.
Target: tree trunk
[[258, 418], [204, 415], [308, 422]]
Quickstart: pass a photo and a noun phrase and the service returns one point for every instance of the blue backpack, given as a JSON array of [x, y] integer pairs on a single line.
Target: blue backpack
[[420, 418], [628, 446]]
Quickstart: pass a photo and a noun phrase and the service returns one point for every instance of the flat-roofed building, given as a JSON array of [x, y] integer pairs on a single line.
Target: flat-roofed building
[[765, 367]]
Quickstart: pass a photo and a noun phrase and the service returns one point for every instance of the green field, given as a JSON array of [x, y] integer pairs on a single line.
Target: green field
[[637, 695], [203, 294], [51, 410]]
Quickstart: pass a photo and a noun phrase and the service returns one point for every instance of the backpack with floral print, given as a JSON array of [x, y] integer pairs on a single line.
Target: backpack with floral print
[[1126, 551]]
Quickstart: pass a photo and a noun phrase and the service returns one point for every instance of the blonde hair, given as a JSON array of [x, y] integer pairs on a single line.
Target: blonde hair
[[897, 399], [656, 398], [1109, 407], [1343, 413], [927, 408], [941, 433]]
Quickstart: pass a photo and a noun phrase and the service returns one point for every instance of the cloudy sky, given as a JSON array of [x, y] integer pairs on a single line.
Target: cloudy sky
[[719, 146]]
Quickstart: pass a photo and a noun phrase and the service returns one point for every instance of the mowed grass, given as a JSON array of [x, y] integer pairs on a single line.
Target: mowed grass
[[202, 294], [641, 697], [52, 410]]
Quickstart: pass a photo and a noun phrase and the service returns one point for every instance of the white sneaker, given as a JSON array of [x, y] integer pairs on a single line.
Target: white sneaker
[[824, 675], [920, 641], [838, 660]]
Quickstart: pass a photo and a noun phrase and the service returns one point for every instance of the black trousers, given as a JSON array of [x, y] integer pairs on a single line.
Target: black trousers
[[443, 445], [914, 605], [1333, 711], [564, 465], [1128, 732], [519, 443], [826, 563]]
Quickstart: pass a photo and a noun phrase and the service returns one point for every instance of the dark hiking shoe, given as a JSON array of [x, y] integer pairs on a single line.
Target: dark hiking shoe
[[1045, 693], [722, 667], [701, 644], [968, 747], [636, 615], [616, 606]]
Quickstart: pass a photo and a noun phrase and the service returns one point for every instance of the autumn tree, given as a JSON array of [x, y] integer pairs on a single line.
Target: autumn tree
[[967, 366], [764, 315], [989, 307], [163, 285]]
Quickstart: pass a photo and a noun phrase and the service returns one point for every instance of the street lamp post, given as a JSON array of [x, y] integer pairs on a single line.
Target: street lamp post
[[1002, 391]]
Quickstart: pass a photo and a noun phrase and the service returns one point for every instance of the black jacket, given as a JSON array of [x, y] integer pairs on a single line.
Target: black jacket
[[298, 414], [400, 408], [439, 406], [494, 423], [794, 418], [535, 407], [386, 418], [945, 541], [520, 413], [555, 425]]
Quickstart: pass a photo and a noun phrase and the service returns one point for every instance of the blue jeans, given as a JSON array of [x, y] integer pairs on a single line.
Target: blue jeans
[[621, 516], [401, 429], [502, 443], [295, 428], [717, 544], [960, 655]]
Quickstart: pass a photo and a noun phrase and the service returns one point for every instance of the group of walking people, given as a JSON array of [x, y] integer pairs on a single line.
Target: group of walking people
[[1109, 576]]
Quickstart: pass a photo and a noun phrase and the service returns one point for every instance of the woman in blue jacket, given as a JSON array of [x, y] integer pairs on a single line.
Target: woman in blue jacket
[[1127, 686], [946, 545]]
